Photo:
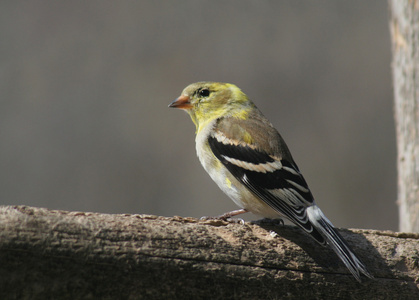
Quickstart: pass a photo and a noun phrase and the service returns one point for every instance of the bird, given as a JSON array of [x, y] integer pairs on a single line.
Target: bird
[[250, 162]]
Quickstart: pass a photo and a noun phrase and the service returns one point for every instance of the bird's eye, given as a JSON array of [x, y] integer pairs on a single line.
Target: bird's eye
[[204, 93]]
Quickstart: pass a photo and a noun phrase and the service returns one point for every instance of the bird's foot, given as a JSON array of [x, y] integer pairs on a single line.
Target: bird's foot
[[227, 217], [269, 222]]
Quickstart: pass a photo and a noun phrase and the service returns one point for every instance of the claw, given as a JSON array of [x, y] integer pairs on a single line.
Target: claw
[[269, 222], [225, 216], [236, 221], [229, 220], [228, 217]]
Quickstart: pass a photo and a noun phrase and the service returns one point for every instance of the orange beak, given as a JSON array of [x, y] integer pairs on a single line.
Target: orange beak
[[182, 102]]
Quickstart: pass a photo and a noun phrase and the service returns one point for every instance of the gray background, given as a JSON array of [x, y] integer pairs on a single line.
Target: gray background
[[84, 89]]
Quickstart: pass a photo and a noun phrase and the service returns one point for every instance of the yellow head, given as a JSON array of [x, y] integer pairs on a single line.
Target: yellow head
[[205, 101]]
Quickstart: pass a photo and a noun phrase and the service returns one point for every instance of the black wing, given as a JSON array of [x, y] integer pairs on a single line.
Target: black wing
[[276, 181]]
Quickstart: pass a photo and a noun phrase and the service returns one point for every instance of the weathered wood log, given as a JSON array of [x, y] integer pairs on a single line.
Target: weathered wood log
[[404, 28], [47, 254]]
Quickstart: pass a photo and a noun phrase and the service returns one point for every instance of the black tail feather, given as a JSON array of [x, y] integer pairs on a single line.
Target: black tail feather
[[337, 243]]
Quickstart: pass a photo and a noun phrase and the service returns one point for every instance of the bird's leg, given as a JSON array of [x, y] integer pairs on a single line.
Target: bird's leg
[[227, 216], [233, 213]]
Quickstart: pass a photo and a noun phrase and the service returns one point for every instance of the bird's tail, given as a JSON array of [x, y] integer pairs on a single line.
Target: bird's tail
[[336, 242]]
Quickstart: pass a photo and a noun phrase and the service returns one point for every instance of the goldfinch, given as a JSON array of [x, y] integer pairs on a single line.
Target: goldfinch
[[250, 162]]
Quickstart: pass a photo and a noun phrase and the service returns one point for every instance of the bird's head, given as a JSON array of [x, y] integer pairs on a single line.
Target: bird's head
[[205, 101]]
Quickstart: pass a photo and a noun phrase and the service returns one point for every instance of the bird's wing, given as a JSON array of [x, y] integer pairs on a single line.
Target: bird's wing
[[273, 177]]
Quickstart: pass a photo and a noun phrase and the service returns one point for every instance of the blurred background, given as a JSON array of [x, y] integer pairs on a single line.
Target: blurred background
[[84, 89]]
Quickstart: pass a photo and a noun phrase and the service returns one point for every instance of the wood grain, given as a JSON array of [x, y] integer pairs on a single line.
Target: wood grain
[[76, 255]]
